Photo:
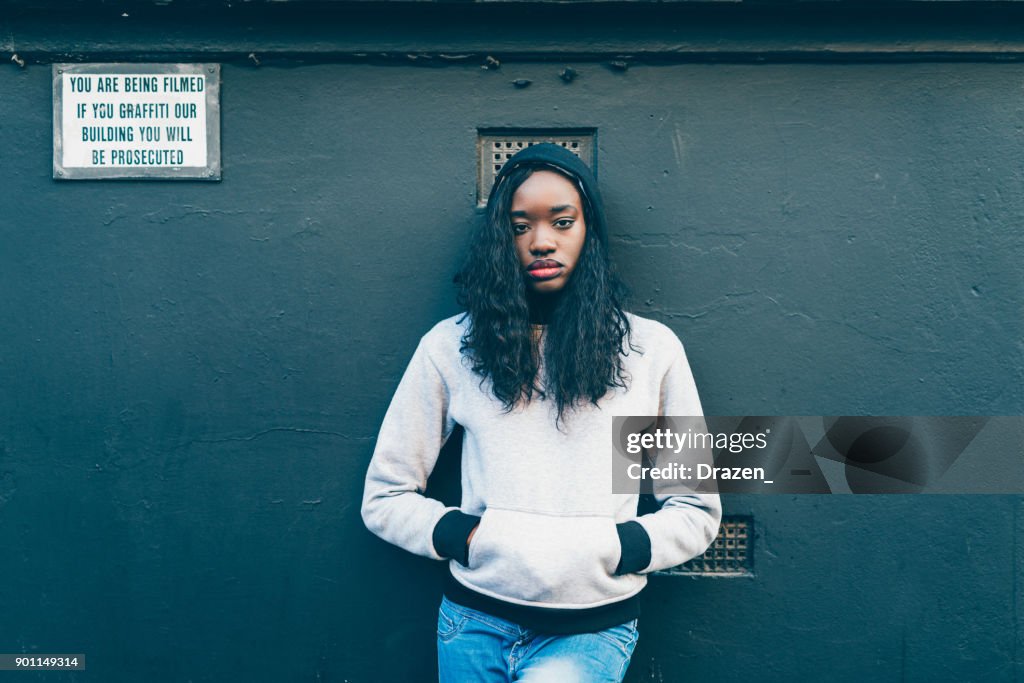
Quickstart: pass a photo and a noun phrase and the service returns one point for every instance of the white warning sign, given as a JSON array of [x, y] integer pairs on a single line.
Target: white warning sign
[[136, 121]]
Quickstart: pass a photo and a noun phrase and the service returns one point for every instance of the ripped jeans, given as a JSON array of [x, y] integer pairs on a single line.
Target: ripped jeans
[[476, 647]]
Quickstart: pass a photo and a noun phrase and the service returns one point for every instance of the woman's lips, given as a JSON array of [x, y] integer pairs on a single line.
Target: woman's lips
[[545, 273], [544, 269]]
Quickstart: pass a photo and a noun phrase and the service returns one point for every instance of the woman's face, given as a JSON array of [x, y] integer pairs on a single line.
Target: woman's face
[[548, 229]]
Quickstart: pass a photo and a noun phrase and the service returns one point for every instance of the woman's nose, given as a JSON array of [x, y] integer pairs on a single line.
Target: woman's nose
[[543, 240]]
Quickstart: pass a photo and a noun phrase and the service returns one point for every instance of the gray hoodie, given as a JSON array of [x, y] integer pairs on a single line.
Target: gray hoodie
[[551, 532]]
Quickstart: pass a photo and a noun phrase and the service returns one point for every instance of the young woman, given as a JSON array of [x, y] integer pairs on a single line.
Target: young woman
[[545, 562]]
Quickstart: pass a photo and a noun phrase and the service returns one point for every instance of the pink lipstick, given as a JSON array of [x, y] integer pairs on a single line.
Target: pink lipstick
[[544, 269]]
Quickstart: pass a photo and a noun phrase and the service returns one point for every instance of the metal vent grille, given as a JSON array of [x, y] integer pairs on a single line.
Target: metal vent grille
[[731, 554], [497, 147]]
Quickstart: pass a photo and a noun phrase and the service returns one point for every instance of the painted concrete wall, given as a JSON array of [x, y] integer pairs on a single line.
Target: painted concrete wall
[[193, 373]]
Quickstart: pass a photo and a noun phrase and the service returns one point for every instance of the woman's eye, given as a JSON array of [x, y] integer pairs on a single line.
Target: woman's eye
[[564, 223], [519, 228]]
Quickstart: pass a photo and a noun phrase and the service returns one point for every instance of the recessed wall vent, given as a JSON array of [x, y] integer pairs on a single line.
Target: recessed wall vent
[[731, 554], [495, 147]]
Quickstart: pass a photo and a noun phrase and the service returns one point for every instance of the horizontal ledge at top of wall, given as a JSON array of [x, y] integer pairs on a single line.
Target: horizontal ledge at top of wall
[[613, 60], [378, 23], [880, 7], [289, 60], [437, 34], [79, 4]]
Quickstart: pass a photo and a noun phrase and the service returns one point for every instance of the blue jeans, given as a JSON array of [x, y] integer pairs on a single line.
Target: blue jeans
[[476, 647]]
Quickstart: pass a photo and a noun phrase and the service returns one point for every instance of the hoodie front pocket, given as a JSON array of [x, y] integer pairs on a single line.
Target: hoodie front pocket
[[551, 559], [474, 543]]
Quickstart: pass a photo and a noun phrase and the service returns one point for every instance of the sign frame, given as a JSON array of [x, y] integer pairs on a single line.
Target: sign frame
[[212, 170]]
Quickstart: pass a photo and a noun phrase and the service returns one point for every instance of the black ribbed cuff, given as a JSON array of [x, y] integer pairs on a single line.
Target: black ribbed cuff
[[636, 547], [450, 534]]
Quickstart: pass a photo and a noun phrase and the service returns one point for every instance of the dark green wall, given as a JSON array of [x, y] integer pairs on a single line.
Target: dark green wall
[[192, 374]]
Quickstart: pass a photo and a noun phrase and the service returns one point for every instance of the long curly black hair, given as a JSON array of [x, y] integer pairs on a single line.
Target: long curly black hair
[[584, 336]]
